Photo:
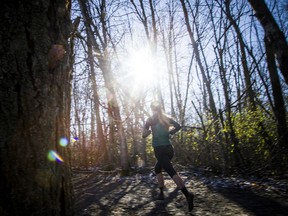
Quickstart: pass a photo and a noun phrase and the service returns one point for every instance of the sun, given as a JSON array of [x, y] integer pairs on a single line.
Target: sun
[[142, 68], [142, 65]]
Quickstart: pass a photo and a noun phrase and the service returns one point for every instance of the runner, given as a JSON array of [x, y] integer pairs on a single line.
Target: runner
[[160, 126]]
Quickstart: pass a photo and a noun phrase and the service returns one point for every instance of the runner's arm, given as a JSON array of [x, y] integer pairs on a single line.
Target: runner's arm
[[176, 126], [146, 132]]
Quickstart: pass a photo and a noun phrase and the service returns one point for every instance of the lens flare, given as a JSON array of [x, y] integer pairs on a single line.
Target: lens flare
[[53, 156], [75, 139], [63, 142]]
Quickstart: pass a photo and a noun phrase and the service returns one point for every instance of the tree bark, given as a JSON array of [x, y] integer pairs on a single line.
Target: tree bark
[[273, 33], [35, 106]]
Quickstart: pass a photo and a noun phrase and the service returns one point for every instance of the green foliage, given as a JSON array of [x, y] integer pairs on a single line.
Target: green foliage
[[256, 132], [249, 126], [149, 148]]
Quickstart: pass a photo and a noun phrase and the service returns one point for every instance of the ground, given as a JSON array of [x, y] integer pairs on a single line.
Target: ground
[[100, 193]]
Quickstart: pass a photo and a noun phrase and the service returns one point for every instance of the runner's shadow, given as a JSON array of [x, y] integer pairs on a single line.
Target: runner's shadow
[[161, 205]]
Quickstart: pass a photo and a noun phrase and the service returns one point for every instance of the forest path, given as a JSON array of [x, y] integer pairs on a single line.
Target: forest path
[[104, 194]]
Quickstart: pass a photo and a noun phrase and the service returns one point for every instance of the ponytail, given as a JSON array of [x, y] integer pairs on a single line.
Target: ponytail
[[163, 119]]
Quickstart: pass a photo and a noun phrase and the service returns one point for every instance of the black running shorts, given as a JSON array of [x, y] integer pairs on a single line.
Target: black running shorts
[[164, 155]]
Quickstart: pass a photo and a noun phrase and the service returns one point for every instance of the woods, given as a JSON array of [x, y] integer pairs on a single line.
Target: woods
[[77, 79], [210, 63]]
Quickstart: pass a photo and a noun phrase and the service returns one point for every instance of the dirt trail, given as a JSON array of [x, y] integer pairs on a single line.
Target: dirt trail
[[109, 194]]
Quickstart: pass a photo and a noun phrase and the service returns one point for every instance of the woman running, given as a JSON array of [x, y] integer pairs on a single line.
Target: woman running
[[160, 125]]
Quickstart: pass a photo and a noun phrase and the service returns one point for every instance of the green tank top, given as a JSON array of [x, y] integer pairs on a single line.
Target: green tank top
[[160, 133]]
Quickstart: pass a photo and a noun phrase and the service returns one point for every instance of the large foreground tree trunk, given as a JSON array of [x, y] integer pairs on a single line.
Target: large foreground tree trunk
[[34, 108]]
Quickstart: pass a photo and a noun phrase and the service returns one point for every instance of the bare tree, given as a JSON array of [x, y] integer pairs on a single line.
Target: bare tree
[[275, 43], [169, 45], [244, 63], [96, 105], [279, 105], [143, 16], [273, 33], [104, 63], [204, 73]]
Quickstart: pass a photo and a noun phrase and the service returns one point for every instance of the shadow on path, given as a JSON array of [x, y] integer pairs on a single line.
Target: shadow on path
[[110, 195], [229, 196], [257, 204]]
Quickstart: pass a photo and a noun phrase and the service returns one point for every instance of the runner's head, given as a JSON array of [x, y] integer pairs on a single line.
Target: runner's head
[[156, 107], [157, 111]]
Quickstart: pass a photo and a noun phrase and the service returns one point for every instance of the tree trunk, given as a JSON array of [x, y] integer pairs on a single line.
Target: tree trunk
[[105, 67], [204, 74], [142, 15], [34, 109], [246, 72], [279, 105], [273, 33], [77, 123], [115, 114], [247, 76], [96, 104]]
